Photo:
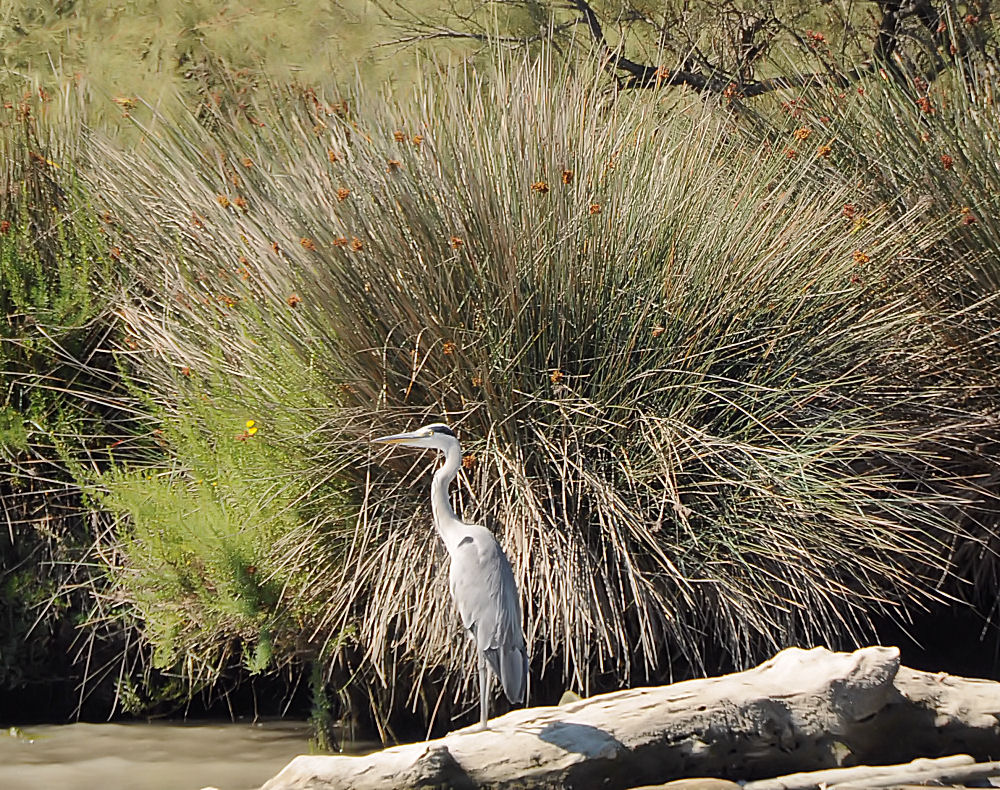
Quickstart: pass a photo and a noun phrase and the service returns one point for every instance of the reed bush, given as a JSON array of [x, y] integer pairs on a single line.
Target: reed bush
[[914, 142], [708, 408]]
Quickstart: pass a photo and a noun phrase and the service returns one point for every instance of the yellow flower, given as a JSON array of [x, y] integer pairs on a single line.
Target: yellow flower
[[251, 423], [252, 430]]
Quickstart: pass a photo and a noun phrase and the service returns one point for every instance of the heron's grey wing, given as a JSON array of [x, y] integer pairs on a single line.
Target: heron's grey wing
[[482, 584]]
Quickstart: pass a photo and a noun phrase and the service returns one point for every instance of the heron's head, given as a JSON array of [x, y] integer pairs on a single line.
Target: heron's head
[[436, 436]]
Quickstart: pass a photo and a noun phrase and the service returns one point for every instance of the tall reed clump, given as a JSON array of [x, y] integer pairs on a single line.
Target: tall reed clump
[[919, 141], [707, 413]]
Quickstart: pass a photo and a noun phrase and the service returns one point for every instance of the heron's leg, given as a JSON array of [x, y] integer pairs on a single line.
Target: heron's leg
[[484, 685]]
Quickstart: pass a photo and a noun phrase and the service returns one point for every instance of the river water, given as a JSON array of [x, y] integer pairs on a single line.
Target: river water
[[156, 756]]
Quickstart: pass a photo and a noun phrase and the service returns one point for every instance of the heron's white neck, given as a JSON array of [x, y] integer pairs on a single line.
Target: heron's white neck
[[447, 523]]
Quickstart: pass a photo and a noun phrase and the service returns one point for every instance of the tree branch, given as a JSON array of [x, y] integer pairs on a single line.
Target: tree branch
[[639, 75]]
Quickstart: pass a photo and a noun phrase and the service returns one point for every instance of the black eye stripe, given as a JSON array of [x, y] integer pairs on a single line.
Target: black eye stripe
[[445, 430]]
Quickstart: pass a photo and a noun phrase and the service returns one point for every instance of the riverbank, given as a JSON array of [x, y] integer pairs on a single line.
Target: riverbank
[[148, 756]]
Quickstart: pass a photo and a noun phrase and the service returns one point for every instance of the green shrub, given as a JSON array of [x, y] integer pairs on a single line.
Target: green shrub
[[57, 400], [205, 516]]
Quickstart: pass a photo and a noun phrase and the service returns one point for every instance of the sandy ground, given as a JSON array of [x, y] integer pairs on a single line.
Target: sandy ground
[[158, 756]]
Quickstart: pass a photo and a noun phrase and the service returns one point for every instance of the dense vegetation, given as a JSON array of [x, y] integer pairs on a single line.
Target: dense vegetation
[[726, 375]]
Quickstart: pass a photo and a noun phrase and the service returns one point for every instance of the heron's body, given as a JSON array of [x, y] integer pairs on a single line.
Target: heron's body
[[481, 578]]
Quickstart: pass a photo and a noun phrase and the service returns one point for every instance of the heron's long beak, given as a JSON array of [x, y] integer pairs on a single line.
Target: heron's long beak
[[399, 438]]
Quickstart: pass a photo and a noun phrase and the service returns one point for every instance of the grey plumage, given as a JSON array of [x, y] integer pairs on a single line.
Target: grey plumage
[[481, 579]]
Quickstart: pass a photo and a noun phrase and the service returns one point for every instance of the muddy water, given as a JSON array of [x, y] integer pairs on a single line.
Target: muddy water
[[158, 756]]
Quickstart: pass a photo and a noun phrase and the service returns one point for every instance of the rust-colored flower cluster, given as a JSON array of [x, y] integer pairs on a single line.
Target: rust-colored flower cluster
[[802, 133], [947, 162], [540, 187], [860, 257], [557, 376], [343, 193], [293, 300], [456, 242], [307, 243], [794, 107], [567, 177], [448, 348]]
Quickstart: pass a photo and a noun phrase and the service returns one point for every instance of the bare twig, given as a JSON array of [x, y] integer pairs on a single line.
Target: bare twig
[[716, 80]]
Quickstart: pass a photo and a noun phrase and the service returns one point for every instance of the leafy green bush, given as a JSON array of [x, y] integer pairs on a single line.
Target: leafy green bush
[[204, 523], [57, 399]]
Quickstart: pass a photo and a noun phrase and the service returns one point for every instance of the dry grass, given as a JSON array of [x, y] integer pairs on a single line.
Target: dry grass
[[710, 414]]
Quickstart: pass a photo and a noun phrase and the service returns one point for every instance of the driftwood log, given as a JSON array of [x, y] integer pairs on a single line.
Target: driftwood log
[[803, 710], [953, 770]]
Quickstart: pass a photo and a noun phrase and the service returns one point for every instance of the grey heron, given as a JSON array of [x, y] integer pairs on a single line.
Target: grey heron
[[481, 579]]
